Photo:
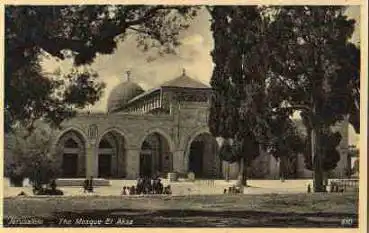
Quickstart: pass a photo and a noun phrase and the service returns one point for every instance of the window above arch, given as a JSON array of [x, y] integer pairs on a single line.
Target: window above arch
[[70, 143], [105, 144]]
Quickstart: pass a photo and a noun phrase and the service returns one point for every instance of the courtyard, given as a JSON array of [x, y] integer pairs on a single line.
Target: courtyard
[[266, 203], [182, 187]]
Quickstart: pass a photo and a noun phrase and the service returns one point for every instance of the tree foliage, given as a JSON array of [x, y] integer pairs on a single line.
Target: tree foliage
[[331, 155], [318, 69], [266, 68], [239, 106], [80, 33], [285, 139], [315, 62], [31, 156]]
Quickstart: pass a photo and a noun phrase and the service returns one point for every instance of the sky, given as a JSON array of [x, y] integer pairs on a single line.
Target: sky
[[193, 56]]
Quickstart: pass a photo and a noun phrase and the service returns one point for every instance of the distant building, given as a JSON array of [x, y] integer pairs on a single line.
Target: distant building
[[155, 132]]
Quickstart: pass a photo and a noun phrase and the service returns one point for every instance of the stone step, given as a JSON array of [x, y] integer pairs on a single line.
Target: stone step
[[80, 181]]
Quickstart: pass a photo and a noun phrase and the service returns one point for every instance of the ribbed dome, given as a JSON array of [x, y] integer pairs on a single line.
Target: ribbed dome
[[122, 93]]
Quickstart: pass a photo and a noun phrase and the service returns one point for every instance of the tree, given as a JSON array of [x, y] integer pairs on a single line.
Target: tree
[[299, 59], [78, 32], [238, 102], [317, 68], [30, 156]]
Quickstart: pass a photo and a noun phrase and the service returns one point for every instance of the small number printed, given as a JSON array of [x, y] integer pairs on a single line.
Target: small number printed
[[347, 222]]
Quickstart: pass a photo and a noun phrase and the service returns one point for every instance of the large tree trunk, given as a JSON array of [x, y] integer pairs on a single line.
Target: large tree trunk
[[242, 173], [318, 175]]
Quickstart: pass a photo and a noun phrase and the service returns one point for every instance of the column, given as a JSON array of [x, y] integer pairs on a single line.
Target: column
[[91, 160], [121, 159], [179, 162], [81, 164], [132, 163]]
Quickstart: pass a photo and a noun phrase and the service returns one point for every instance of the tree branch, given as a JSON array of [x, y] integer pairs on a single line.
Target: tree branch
[[300, 107], [141, 31]]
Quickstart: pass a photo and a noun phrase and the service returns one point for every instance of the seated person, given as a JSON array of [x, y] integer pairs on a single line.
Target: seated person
[[22, 194], [124, 190], [167, 190], [132, 190]]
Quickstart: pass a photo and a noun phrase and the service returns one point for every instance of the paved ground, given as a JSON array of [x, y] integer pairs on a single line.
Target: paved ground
[[253, 210], [202, 187]]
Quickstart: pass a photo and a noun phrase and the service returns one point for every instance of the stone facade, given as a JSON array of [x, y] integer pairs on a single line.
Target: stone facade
[[159, 131]]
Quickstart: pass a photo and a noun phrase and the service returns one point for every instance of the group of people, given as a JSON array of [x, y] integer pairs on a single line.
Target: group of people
[[144, 186], [50, 189], [232, 190], [147, 186]]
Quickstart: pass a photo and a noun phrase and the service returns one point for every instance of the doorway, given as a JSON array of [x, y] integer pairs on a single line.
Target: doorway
[[69, 165]]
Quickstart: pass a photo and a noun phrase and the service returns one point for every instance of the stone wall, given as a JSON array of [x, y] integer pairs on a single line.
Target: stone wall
[[186, 121]]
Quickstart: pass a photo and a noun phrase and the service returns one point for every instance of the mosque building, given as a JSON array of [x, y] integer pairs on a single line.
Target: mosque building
[[156, 132]]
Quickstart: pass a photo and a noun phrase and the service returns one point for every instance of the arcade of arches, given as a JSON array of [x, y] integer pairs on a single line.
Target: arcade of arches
[[155, 156]]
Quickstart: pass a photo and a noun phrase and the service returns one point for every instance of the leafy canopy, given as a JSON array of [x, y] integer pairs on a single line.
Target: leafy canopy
[[267, 67]]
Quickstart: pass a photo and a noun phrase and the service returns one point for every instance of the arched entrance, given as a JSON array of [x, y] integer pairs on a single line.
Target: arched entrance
[[155, 156], [203, 157], [111, 154], [72, 154]]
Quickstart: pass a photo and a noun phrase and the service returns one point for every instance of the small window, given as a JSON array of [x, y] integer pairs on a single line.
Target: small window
[[92, 131]]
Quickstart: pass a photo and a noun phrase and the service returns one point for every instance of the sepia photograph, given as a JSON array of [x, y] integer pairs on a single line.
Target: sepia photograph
[[181, 116]]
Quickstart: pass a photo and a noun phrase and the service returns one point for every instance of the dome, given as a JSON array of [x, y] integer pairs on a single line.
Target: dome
[[122, 93]]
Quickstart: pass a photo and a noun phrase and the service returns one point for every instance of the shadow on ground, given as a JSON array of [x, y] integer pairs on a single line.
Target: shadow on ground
[[197, 218]]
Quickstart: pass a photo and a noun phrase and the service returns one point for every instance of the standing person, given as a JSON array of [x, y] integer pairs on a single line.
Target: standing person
[[53, 187], [90, 185], [138, 186], [159, 187], [85, 185], [147, 185], [154, 186]]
